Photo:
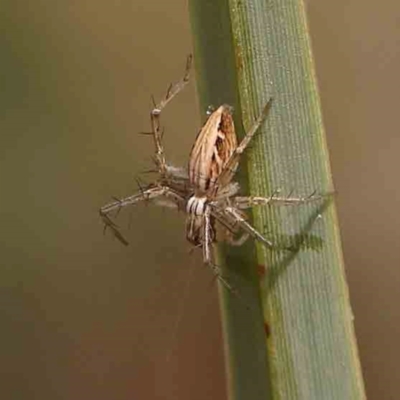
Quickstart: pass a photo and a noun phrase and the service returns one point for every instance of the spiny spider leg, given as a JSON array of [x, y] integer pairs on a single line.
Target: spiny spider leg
[[240, 241], [230, 166], [156, 111], [109, 223], [243, 203], [145, 195], [148, 194], [235, 214], [207, 249], [229, 227]]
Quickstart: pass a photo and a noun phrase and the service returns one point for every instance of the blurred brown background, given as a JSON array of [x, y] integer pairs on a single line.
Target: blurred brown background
[[84, 317]]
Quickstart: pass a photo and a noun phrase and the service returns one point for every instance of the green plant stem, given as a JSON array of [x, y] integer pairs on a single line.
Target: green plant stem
[[245, 53]]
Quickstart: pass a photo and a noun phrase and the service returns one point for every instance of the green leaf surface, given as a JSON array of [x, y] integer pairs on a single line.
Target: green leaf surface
[[300, 344]]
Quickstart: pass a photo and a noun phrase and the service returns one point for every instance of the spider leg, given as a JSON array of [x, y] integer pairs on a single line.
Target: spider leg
[[230, 166], [249, 135], [243, 203], [236, 215], [153, 193], [207, 237], [207, 249], [229, 228], [172, 91], [239, 241]]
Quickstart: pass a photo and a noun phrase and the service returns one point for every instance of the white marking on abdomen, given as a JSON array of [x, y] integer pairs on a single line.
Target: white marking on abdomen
[[196, 205]]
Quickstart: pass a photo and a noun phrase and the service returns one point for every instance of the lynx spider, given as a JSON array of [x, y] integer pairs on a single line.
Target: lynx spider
[[205, 191]]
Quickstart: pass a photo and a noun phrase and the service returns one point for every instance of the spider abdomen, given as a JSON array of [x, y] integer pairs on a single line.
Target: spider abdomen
[[214, 145], [196, 206], [200, 225]]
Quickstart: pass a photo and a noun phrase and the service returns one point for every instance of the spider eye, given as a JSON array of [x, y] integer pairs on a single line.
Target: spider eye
[[210, 110]]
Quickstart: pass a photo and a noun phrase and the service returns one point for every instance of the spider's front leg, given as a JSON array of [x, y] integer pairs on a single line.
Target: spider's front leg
[[153, 193], [230, 166], [172, 91]]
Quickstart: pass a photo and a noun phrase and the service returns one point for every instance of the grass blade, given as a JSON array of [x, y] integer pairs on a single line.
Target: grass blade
[[245, 53]]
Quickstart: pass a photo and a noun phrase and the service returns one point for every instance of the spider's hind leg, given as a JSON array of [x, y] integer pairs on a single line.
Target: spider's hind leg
[[207, 251]]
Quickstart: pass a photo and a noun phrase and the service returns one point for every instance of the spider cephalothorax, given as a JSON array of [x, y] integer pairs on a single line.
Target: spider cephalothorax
[[205, 190]]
